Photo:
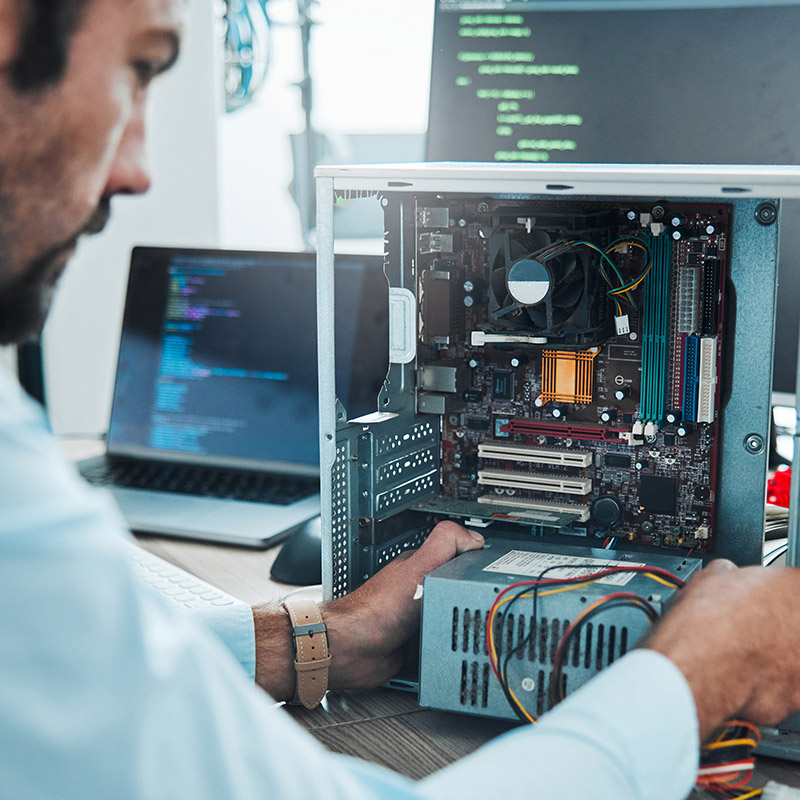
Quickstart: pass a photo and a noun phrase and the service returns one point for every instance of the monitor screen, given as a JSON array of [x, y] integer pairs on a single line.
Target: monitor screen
[[218, 355], [632, 81]]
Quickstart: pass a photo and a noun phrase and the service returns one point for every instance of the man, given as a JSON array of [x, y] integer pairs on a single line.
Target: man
[[107, 693]]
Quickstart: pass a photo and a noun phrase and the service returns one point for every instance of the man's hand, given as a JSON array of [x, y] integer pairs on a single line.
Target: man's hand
[[367, 628], [735, 635]]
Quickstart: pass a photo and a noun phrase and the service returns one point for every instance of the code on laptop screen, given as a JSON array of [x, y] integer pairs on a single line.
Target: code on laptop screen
[[218, 356]]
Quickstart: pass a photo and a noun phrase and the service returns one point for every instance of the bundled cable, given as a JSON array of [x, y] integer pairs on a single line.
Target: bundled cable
[[619, 288], [726, 763], [543, 587]]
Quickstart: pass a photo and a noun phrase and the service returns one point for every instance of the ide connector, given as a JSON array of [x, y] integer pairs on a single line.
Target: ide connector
[[455, 673]]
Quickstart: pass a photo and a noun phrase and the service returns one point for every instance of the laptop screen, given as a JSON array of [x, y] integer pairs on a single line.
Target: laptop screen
[[218, 355]]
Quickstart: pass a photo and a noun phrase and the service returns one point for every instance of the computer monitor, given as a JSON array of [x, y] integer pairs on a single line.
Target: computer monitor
[[647, 81]]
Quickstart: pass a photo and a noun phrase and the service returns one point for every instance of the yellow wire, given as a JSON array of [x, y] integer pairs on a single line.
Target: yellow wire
[[754, 793], [643, 275], [524, 597], [530, 718], [490, 622], [718, 745]]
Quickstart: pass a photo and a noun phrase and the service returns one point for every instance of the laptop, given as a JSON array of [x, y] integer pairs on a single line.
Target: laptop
[[214, 421]]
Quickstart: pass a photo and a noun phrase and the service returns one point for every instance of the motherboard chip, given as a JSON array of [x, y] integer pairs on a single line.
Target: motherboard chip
[[503, 384], [658, 494]]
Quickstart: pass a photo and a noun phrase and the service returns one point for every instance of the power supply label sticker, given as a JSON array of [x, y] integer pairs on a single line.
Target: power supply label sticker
[[519, 562]]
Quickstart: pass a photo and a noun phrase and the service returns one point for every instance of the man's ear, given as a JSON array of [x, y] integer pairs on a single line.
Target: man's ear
[[11, 14]]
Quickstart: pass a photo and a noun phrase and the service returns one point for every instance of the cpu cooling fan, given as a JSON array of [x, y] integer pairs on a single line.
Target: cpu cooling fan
[[545, 287]]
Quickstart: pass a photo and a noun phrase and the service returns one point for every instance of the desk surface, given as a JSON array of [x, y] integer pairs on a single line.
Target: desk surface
[[383, 726]]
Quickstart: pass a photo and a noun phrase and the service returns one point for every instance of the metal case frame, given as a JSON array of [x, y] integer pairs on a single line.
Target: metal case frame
[[380, 464]]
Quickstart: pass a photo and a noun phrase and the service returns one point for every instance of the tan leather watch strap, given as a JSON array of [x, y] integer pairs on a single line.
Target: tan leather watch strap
[[311, 650]]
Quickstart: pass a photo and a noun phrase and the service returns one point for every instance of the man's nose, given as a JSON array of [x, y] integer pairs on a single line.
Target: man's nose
[[130, 173]]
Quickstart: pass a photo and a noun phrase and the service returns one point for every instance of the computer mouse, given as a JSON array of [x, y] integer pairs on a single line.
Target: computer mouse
[[300, 559]]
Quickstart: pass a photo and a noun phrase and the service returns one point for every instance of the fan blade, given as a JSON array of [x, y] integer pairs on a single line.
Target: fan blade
[[564, 265], [538, 315], [539, 239], [497, 284], [568, 295]]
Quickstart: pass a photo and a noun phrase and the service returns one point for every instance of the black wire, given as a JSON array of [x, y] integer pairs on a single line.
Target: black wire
[[502, 670], [555, 675]]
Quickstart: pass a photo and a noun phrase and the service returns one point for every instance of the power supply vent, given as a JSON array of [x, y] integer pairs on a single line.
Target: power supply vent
[[474, 684], [595, 648]]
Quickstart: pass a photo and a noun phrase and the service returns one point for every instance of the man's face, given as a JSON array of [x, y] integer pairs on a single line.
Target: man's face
[[66, 150]]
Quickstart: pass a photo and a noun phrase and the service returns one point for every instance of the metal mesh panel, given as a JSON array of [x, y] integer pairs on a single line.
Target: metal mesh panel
[[339, 532]]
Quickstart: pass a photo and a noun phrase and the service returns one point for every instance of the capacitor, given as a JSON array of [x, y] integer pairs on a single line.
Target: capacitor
[[558, 413], [684, 429], [702, 493], [621, 394], [641, 464], [468, 286], [710, 229], [515, 362], [676, 235], [608, 416], [606, 512], [468, 301], [474, 363], [673, 417]]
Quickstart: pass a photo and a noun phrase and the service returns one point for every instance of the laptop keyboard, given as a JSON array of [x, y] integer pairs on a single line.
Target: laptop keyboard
[[231, 484]]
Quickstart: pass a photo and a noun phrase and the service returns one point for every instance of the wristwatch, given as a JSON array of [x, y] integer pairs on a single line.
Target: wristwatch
[[311, 662]]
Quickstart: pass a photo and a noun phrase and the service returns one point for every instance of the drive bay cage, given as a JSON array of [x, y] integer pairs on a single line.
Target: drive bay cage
[[579, 362]]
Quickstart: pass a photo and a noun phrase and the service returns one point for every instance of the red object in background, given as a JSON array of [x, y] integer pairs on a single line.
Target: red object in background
[[778, 487]]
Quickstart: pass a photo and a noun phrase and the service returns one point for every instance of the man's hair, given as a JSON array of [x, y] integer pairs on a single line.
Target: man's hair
[[47, 27]]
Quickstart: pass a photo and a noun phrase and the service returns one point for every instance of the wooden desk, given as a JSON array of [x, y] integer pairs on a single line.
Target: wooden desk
[[383, 726]]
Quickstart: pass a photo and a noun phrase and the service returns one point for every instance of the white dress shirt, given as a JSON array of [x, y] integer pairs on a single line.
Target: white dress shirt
[[106, 691]]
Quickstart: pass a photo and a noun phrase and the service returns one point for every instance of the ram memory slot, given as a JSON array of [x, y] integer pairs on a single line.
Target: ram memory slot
[[655, 330], [691, 372]]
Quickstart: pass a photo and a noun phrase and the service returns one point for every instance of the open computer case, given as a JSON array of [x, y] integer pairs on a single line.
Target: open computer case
[[580, 365]]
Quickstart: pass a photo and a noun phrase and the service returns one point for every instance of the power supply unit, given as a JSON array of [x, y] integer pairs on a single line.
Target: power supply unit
[[455, 673]]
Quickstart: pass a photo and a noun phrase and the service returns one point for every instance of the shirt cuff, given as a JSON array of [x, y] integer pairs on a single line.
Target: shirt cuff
[[642, 711], [630, 732], [235, 627]]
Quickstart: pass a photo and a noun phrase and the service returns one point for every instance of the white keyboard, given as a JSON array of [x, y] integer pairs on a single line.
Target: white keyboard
[[176, 584]]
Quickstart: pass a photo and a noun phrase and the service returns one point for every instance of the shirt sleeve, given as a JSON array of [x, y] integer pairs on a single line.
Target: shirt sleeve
[[234, 626], [107, 691], [631, 732]]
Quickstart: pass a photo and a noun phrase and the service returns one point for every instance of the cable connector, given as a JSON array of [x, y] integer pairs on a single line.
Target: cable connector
[[622, 324]]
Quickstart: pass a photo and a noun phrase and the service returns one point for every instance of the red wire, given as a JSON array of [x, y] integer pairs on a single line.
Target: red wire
[[556, 581], [607, 598]]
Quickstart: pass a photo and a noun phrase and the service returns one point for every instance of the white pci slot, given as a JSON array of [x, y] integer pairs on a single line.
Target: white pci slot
[[707, 381], [581, 511], [535, 455], [511, 479]]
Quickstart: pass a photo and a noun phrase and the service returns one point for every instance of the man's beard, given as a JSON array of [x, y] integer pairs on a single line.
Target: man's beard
[[24, 304]]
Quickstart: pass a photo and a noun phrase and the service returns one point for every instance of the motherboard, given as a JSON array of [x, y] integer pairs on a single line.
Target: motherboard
[[573, 352]]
